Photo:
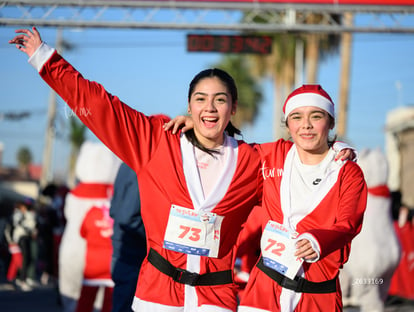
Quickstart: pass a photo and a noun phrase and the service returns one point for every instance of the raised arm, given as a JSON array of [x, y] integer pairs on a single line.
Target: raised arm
[[128, 133]]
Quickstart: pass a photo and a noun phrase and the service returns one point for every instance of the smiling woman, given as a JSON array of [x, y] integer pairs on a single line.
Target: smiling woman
[[316, 206], [212, 99], [310, 117], [196, 190]]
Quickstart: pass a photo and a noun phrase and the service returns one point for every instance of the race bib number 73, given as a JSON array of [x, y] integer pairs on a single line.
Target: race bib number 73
[[192, 232]]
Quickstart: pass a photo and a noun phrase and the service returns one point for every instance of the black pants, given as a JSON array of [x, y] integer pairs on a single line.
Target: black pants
[[25, 246]]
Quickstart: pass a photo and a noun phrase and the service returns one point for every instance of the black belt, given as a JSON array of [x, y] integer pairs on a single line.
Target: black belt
[[298, 284], [185, 277]]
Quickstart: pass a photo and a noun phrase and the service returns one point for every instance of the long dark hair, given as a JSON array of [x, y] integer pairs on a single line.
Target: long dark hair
[[231, 86]]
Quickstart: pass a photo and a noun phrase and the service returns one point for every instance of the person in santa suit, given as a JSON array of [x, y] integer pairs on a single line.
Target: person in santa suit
[[315, 207], [96, 168], [196, 189], [97, 229]]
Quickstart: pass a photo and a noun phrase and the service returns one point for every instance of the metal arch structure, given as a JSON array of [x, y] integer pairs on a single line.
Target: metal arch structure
[[205, 15]]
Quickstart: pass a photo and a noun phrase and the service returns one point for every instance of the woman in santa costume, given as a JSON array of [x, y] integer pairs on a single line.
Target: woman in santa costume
[[315, 207], [196, 189]]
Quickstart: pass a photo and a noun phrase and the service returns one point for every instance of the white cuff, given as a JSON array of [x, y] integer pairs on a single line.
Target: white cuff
[[40, 56], [314, 243]]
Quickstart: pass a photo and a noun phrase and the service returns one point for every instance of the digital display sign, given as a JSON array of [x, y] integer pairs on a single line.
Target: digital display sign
[[229, 43]]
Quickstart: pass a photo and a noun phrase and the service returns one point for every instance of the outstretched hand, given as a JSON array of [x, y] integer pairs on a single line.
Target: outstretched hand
[[27, 40], [176, 123]]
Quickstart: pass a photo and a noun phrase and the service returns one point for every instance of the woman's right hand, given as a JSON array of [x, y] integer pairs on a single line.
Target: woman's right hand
[[180, 121], [27, 40]]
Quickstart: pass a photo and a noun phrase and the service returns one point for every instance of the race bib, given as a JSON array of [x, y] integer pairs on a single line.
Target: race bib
[[192, 232], [278, 248]]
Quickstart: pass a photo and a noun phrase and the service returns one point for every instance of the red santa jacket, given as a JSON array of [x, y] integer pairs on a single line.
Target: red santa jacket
[[334, 222]]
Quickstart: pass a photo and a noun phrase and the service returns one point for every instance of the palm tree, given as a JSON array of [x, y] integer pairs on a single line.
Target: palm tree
[[318, 45], [280, 64], [249, 92], [76, 138], [24, 159]]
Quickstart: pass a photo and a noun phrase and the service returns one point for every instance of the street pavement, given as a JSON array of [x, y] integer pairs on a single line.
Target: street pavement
[[39, 299], [45, 299]]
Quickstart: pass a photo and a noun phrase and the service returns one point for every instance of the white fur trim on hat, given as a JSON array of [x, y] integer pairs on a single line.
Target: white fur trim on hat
[[309, 99]]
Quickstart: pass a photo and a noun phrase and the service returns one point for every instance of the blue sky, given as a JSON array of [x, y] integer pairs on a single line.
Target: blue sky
[[150, 71]]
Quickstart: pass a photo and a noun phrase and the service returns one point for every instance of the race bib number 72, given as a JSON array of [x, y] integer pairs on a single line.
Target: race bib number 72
[[278, 248]]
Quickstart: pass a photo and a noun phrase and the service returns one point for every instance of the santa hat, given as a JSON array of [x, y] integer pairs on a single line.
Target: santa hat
[[309, 95]]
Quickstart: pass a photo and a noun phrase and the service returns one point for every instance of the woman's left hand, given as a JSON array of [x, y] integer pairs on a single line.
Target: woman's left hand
[[305, 251]]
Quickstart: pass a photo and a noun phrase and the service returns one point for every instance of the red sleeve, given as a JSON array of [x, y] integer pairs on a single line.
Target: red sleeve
[[350, 211], [277, 147], [248, 241], [128, 133]]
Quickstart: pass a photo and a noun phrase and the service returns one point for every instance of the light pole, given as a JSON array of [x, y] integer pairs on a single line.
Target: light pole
[[47, 167]]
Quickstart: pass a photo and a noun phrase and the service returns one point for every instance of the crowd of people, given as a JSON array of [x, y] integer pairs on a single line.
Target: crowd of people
[[31, 237], [198, 186]]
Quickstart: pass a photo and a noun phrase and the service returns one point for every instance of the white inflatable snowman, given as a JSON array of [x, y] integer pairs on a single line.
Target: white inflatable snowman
[[96, 169], [375, 252]]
